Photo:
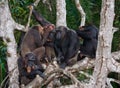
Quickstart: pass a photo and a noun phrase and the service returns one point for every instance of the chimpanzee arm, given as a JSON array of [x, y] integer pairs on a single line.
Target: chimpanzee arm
[[49, 43], [59, 53], [85, 34], [40, 18], [73, 48]]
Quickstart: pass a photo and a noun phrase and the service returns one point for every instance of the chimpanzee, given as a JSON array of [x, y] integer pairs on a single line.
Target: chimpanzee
[[35, 37], [29, 68], [66, 44], [89, 34], [43, 22], [48, 27], [32, 40]]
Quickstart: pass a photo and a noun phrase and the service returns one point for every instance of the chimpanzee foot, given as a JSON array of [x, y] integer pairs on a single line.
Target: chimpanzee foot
[[80, 57], [41, 74], [63, 65]]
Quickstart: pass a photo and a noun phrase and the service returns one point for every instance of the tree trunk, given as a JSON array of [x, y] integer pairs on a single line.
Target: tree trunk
[[61, 13], [7, 26], [104, 44]]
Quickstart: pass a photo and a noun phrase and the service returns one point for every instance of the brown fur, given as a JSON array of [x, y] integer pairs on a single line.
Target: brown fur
[[32, 40]]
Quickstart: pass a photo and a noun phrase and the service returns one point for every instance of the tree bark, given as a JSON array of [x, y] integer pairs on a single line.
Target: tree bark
[[7, 26], [104, 44], [61, 13], [80, 9]]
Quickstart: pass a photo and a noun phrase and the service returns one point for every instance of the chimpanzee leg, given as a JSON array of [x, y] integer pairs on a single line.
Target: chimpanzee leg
[[50, 53], [40, 73], [39, 53], [36, 72], [63, 65]]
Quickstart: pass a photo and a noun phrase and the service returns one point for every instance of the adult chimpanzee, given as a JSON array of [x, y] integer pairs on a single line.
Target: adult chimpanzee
[[37, 35], [89, 34], [49, 27], [42, 21], [66, 44], [33, 39], [33, 42]]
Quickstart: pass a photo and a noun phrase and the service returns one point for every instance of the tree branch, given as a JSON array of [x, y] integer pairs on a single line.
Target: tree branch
[[83, 64], [80, 9], [114, 29], [113, 65], [109, 80], [70, 86], [35, 83], [36, 2], [19, 27], [116, 55]]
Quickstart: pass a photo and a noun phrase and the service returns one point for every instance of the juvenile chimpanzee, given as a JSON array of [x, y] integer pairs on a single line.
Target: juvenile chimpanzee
[[89, 34], [66, 44], [29, 68]]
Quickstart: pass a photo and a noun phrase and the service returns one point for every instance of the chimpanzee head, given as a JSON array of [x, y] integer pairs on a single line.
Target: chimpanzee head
[[51, 35], [60, 32], [30, 62], [49, 27], [88, 27]]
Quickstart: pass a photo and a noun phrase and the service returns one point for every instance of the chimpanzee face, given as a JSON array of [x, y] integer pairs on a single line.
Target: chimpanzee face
[[58, 35], [51, 35], [30, 62], [30, 66], [49, 27]]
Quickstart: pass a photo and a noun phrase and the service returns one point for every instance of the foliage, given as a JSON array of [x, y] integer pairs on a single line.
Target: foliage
[[3, 69], [82, 77], [116, 38], [73, 16], [44, 9], [65, 80], [19, 10], [114, 76]]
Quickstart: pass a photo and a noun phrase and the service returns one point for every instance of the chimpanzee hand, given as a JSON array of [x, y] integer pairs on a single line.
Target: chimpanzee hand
[[60, 59], [63, 65]]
